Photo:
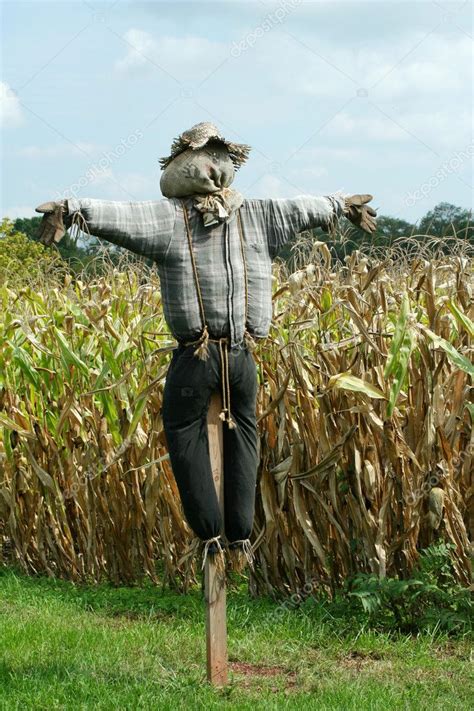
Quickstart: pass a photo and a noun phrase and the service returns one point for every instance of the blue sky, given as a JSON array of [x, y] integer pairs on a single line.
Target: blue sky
[[353, 96]]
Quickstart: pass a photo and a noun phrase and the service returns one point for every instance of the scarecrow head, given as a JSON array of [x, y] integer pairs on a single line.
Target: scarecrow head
[[201, 162]]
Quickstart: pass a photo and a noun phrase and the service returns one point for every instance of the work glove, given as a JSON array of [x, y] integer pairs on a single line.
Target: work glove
[[359, 213], [53, 227]]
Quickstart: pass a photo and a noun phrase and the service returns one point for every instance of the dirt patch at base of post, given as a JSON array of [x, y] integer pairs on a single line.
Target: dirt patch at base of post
[[261, 671]]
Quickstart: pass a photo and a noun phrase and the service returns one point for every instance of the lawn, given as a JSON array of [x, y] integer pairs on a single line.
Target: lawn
[[98, 647]]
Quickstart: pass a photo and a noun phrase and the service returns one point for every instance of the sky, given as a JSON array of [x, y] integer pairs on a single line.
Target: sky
[[355, 96]]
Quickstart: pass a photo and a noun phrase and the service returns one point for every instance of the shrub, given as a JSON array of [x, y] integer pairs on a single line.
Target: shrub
[[430, 599], [23, 261]]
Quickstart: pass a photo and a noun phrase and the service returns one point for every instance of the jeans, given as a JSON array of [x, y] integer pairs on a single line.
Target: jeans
[[189, 384]]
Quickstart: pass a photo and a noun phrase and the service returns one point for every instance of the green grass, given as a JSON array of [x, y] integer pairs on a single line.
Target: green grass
[[77, 647]]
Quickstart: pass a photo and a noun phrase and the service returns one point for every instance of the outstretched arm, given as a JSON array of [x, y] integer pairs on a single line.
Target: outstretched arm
[[285, 218], [282, 219], [142, 227]]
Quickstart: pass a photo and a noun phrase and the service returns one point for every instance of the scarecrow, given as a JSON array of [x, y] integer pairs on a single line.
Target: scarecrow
[[213, 249]]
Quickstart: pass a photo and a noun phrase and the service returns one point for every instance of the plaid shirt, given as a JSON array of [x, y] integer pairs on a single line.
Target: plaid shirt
[[156, 229]]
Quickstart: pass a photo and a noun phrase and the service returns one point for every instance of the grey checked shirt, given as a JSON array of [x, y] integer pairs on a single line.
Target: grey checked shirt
[[156, 229]]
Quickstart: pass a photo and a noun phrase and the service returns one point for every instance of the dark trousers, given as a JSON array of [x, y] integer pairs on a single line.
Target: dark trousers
[[189, 384]]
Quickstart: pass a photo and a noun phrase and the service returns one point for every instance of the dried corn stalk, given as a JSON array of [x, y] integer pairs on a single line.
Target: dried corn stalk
[[365, 421]]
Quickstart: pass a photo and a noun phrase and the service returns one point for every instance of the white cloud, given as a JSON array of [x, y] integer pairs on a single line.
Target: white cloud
[[271, 186], [437, 65], [362, 128], [142, 47], [184, 58], [123, 186], [439, 130], [139, 184], [312, 171], [10, 108], [61, 150], [329, 153], [446, 129], [103, 176], [413, 64]]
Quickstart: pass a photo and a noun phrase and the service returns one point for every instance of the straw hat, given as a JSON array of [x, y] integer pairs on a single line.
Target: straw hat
[[198, 136]]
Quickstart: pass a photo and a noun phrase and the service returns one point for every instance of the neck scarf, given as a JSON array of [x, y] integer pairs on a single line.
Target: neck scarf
[[218, 207]]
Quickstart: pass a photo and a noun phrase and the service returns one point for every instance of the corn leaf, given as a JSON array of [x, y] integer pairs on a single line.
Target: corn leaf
[[346, 381], [461, 317], [454, 356], [398, 336]]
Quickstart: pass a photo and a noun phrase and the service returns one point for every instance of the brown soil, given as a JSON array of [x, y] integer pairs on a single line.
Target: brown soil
[[253, 672], [357, 659]]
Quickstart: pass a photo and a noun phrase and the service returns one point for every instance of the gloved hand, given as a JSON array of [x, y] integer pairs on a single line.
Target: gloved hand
[[52, 227], [359, 213]]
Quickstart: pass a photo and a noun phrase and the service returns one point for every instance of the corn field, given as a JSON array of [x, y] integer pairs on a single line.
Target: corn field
[[365, 418]]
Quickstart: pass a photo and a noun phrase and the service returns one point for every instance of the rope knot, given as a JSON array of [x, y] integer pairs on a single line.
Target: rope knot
[[242, 553], [213, 546], [202, 351]]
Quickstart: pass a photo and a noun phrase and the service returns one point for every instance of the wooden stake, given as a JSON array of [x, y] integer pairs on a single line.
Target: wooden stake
[[214, 581]]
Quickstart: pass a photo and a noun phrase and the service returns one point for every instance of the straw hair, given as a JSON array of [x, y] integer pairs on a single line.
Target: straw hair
[[200, 135]]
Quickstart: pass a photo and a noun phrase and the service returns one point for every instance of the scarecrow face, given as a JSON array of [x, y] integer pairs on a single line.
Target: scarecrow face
[[198, 172]]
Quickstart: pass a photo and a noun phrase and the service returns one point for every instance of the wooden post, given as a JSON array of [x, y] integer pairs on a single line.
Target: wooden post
[[214, 581]]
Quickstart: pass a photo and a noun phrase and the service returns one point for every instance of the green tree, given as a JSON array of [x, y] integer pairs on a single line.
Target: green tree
[[446, 220], [68, 247], [390, 229], [22, 260], [28, 226], [77, 256]]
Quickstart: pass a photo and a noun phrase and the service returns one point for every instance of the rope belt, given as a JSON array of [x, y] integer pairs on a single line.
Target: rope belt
[[202, 343]]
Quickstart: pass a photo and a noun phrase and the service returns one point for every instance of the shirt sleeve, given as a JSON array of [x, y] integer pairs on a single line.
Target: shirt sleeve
[[286, 218], [145, 228]]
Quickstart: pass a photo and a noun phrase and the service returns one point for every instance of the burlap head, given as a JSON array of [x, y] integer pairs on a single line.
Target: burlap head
[[198, 172]]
